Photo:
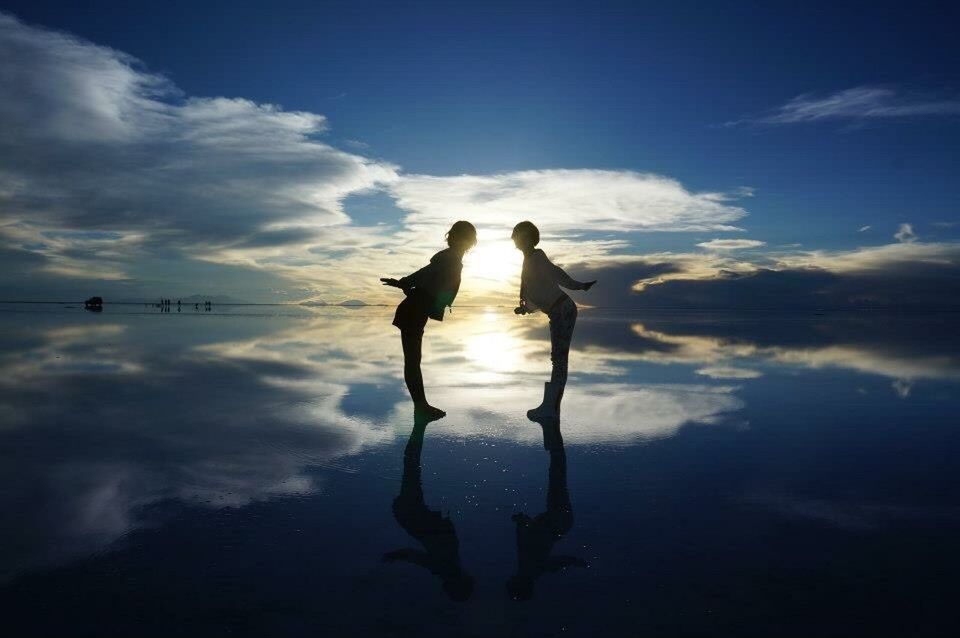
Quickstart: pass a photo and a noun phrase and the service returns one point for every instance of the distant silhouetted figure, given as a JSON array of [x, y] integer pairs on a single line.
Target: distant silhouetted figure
[[536, 536], [441, 549], [94, 304], [429, 292], [540, 283]]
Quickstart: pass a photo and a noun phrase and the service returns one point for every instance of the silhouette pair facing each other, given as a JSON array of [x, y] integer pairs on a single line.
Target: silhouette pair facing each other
[[433, 288]]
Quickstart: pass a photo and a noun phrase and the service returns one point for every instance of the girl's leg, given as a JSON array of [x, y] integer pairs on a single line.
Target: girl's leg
[[412, 343], [562, 322]]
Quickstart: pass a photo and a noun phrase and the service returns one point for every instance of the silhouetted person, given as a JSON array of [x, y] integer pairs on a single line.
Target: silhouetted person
[[536, 536], [429, 292], [441, 549], [540, 283]]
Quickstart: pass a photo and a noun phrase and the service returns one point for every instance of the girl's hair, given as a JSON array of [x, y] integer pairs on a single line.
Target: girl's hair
[[528, 230], [462, 232]]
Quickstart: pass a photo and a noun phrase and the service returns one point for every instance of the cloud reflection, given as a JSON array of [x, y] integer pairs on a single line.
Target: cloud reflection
[[105, 417]]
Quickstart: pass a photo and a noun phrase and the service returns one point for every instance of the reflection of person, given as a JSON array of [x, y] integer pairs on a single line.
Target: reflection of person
[[536, 536], [540, 283], [429, 292], [433, 530]]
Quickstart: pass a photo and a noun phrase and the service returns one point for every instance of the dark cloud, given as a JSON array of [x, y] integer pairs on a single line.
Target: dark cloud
[[897, 284], [275, 238]]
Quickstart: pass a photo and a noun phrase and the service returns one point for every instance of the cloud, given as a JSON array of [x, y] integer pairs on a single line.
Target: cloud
[[728, 372], [731, 244], [568, 201], [293, 394], [910, 273], [905, 234], [858, 103], [93, 142], [167, 441], [864, 229], [904, 349]]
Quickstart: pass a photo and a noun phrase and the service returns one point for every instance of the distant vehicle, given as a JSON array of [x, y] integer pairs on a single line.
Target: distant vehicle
[[94, 304]]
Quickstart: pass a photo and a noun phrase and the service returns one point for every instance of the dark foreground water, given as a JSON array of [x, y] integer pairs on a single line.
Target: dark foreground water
[[255, 471]]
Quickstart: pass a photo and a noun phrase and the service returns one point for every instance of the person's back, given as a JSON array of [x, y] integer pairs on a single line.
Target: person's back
[[541, 280], [437, 283]]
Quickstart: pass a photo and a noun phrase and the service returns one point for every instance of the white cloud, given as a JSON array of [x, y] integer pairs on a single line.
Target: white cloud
[[729, 372], [875, 258], [905, 234], [564, 201], [864, 229], [721, 356], [858, 103], [731, 244], [92, 141], [902, 388]]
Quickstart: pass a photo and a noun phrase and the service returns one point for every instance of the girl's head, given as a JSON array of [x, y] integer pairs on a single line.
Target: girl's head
[[525, 236], [462, 236]]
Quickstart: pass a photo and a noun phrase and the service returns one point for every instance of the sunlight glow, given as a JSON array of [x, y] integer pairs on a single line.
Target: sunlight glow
[[495, 351], [495, 265]]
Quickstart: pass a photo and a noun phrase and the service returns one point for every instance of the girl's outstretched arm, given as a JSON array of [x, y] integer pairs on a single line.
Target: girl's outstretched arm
[[565, 280], [416, 279]]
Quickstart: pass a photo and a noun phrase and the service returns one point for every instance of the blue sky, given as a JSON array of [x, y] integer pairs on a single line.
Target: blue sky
[[813, 121]]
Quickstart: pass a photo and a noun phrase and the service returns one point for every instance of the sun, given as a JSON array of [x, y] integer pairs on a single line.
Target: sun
[[493, 265]]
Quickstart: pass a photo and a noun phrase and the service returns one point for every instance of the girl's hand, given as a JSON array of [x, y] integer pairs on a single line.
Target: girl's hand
[[388, 281], [588, 284]]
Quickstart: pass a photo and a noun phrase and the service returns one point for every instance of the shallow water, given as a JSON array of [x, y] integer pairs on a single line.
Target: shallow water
[[251, 471]]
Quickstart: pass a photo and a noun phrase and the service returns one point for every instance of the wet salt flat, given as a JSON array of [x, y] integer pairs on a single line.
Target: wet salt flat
[[255, 470]]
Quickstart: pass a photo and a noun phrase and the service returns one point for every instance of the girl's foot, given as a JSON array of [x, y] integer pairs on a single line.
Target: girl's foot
[[427, 411], [547, 410]]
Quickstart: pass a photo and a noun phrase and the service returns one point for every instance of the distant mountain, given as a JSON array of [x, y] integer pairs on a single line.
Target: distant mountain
[[314, 302], [352, 302]]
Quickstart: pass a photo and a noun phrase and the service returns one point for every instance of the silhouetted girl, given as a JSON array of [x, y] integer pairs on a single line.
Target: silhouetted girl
[[540, 284], [429, 292]]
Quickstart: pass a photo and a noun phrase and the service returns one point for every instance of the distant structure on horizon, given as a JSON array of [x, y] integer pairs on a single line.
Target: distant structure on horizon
[[218, 299]]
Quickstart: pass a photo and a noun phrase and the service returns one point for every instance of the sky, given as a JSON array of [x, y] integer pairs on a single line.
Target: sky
[[681, 153]]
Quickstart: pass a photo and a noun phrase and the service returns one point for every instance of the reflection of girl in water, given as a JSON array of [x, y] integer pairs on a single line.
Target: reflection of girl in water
[[429, 292], [441, 550], [536, 536], [540, 284]]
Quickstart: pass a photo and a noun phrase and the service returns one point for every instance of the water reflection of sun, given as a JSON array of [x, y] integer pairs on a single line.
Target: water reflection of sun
[[492, 348]]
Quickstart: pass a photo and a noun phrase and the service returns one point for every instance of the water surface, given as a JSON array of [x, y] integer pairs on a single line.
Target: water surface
[[255, 470]]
